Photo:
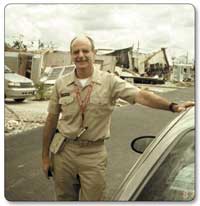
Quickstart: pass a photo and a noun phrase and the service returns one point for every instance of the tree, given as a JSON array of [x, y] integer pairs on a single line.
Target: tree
[[40, 44]]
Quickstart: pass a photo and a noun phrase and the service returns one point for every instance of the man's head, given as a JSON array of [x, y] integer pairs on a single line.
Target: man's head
[[82, 52]]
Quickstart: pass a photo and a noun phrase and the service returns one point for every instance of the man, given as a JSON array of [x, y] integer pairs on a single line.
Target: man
[[78, 122]]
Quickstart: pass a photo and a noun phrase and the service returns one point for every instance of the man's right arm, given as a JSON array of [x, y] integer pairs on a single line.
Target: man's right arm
[[48, 133]]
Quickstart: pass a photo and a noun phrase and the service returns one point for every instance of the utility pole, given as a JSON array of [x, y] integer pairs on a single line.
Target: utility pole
[[138, 46]]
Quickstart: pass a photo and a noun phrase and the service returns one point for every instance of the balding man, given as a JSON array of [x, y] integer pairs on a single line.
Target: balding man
[[79, 120]]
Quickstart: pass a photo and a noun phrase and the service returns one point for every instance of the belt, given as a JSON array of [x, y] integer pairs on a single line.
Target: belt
[[84, 142]]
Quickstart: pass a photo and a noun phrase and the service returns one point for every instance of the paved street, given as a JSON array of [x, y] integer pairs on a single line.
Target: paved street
[[24, 179]]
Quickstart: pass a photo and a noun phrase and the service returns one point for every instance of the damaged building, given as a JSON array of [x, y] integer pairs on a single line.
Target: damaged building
[[33, 64], [183, 72], [112, 58], [145, 64], [24, 63], [152, 64], [104, 60]]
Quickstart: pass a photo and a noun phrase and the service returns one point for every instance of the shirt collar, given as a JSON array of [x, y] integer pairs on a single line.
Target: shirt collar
[[71, 77], [94, 78]]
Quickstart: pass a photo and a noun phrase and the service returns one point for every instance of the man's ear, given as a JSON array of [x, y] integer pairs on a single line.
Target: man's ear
[[95, 51]]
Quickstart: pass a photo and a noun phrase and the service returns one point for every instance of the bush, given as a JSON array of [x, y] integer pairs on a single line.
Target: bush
[[43, 92]]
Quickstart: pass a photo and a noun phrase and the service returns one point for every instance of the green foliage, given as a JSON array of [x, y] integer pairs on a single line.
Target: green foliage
[[43, 92]]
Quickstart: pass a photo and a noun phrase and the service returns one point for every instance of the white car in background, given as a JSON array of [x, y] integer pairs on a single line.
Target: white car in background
[[17, 87]]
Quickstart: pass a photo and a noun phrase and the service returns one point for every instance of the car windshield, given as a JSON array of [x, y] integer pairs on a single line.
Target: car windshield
[[54, 74], [174, 178]]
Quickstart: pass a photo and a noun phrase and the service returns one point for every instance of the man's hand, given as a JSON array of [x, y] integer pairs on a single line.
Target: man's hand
[[46, 164], [48, 133], [183, 106]]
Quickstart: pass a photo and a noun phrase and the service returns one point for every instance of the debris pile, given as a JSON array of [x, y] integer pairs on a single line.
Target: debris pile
[[20, 122]]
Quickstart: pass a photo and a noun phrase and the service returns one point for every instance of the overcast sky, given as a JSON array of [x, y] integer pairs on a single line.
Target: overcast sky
[[110, 25]]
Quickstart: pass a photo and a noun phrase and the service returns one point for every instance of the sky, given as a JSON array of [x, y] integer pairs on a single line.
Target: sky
[[112, 26]]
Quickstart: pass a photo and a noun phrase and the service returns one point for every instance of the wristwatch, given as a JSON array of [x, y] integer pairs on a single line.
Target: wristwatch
[[171, 106]]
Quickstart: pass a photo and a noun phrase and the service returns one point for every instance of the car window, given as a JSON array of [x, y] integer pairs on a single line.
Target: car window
[[174, 179]]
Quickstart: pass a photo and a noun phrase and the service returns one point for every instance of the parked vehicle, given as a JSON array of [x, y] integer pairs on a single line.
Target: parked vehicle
[[52, 73], [165, 169], [17, 87]]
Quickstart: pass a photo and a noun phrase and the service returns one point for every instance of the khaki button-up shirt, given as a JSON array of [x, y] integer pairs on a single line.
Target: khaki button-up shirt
[[106, 89]]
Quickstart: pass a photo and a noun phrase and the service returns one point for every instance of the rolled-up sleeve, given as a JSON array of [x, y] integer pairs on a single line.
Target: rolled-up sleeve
[[54, 106], [123, 90]]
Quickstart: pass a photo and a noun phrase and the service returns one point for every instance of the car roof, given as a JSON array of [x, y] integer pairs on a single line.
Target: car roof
[[157, 148]]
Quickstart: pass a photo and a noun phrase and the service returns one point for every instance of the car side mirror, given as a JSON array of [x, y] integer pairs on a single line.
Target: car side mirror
[[139, 144]]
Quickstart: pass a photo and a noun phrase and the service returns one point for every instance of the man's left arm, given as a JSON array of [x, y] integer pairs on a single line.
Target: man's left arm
[[155, 101]]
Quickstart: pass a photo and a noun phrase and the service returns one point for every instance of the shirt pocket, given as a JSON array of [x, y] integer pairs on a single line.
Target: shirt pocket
[[99, 106], [67, 104]]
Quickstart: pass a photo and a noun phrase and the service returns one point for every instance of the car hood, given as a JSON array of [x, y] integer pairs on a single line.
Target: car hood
[[16, 78]]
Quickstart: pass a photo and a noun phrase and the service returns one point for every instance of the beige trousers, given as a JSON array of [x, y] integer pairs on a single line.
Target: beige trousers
[[79, 172]]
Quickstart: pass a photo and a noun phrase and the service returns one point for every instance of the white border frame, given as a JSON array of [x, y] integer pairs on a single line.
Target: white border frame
[[3, 3]]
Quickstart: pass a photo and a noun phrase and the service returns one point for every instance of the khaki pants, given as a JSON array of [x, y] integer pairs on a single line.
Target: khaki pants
[[79, 172]]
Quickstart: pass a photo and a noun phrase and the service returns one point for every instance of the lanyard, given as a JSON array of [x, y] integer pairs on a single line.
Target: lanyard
[[83, 102]]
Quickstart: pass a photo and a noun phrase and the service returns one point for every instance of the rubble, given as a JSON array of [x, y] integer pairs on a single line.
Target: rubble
[[22, 121]]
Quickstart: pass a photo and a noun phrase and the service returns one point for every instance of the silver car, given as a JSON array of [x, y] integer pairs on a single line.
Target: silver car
[[17, 87], [165, 170]]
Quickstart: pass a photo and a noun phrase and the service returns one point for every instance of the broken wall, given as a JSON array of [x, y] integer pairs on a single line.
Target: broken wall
[[109, 62], [11, 60], [158, 58], [56, 58]]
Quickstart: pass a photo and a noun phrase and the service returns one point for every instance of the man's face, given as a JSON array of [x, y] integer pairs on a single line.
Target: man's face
[[82, 53]]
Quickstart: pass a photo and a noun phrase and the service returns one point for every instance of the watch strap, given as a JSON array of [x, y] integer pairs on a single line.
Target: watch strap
[[171, 106]]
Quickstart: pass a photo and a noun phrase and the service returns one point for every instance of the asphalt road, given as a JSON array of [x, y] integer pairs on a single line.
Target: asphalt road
[[24, 179]]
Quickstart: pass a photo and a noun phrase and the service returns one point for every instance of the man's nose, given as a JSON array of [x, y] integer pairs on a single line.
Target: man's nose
[[80, 54]]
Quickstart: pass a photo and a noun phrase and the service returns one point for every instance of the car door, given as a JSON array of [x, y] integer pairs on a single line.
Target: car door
[[174, 179], [154, 155]]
